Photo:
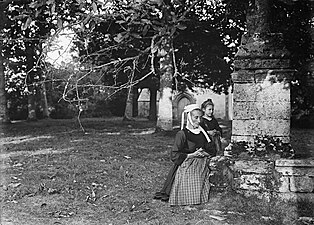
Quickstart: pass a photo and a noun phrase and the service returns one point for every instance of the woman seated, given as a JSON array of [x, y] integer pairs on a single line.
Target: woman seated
[[187, 182]]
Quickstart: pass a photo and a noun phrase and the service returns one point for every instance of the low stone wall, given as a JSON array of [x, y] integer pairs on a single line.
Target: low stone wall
[[286, 178]]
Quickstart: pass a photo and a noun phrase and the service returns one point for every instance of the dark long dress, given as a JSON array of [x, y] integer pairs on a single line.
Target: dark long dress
[[212, 124], [185, 142]]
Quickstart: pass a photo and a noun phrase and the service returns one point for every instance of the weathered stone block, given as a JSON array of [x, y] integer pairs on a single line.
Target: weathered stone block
[[252, 166], [261, 92], [302, 184], [284, 184], [252, 182], [292, 196], [272, 127], [261, 110], [296, 171], [250, 138], [260, 75], [295, 162], [261, 63]]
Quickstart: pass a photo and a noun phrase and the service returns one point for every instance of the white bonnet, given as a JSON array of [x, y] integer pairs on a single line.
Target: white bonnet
[[188, 109], [191, 107]]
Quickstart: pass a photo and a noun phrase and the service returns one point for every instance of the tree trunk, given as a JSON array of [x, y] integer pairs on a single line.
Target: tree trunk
[[152, 104], [165, 118], [4, 113], [135, 101], [129, 105], [31, 105], [31, 98], [42, 89], [43, 95]]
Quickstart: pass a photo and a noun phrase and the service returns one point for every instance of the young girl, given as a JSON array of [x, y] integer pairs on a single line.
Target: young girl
[[210, 125], [187, 182]]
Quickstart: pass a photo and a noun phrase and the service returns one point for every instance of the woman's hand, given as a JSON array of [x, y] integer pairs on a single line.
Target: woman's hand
[[213, 132], [199, 153]]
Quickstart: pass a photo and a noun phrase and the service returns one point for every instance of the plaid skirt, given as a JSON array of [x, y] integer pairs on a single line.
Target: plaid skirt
[[191, 185]]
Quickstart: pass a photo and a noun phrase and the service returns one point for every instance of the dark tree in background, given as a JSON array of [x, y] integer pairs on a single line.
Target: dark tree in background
[[294, 21], [4, 112]]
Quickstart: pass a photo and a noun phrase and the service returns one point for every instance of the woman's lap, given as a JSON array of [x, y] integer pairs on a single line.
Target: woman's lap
[[191, 185]]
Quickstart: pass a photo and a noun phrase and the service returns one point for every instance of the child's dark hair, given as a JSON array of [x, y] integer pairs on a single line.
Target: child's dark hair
[[206, 103]]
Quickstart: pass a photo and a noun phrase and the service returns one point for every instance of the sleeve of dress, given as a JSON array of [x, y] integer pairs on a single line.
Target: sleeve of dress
[[202, 124], [210, 148], [177, 155], [218, 127]]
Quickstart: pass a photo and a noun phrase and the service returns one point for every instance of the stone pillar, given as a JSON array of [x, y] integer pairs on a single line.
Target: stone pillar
[[261, 97]]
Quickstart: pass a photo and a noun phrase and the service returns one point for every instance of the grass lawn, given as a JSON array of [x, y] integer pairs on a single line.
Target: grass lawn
[[54, 173]]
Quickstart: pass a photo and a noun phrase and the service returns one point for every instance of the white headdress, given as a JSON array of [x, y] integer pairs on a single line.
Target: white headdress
[[187, 110]]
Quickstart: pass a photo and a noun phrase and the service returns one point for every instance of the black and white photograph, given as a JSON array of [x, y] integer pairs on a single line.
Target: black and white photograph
[[157, 112]]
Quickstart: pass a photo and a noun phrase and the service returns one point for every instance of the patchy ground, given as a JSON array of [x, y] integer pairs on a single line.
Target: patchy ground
[[53, 173]]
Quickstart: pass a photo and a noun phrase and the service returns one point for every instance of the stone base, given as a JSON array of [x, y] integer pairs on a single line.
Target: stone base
[[297, 196], [293, 197], [284, 178]]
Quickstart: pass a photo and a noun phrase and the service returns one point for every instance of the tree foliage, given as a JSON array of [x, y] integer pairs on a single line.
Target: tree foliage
[[202, 34], [295, 23], [119, 43]]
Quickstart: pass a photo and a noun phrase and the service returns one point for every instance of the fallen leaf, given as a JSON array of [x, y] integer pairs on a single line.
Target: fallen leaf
[[52, 191], [18, 165], [267, 218], [220, 218], [213, 211], [189, 208], [93, 195], [236, 213], [14, 185], [132, 208]]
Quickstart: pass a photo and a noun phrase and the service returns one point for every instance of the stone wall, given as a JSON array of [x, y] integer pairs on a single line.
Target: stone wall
[[285, 178]]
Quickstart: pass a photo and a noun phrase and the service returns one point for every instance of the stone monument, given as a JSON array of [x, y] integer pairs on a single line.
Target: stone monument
[[261, 99]]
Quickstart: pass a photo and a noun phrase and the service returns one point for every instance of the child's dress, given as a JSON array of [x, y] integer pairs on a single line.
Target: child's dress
[[209, 124]]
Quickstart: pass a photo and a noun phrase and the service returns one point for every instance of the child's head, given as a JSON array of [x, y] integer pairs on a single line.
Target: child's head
[[208, 107]]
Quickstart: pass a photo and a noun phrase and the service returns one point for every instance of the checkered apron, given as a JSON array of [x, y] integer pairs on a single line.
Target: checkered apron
[[191, 185]]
